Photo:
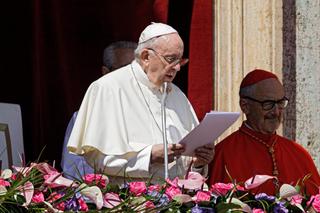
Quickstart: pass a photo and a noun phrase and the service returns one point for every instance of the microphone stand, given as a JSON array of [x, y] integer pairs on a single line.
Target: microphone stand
[[164, 132]]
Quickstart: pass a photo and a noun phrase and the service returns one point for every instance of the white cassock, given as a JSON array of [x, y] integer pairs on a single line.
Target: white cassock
[[120, 119]]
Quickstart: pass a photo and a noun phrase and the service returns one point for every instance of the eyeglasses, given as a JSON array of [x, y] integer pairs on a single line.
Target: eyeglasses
[[269, 104], [171, 59]]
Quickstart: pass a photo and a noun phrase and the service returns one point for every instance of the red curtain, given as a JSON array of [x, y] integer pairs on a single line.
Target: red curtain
[[52, 51], [200, 83]]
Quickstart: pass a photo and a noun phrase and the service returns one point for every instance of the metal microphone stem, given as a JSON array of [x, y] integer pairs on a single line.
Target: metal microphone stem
[[164, 132]]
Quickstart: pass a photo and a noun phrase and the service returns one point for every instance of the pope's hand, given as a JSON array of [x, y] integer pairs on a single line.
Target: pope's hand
[[203, 155], [174, 150]]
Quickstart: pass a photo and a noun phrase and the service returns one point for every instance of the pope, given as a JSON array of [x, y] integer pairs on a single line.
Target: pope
[[118, 128]]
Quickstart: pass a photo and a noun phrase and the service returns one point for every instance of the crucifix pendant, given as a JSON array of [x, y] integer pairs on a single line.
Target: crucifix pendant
[[271, 150]]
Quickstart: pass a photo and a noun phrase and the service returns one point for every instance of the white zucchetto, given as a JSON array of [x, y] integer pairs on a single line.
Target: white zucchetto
[[154, 30]]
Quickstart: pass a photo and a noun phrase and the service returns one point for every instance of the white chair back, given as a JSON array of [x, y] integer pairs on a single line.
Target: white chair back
[[11, 136]]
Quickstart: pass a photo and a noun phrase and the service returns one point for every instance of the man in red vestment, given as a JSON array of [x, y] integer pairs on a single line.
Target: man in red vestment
[[256, 149]]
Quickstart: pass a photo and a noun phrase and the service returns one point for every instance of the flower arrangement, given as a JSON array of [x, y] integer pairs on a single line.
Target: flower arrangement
[[41, 188]]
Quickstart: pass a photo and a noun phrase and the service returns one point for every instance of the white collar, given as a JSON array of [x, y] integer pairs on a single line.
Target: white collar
[[142, 77]]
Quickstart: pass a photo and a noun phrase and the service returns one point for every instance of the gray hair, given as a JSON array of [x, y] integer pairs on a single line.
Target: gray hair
[[108, 53], [151, 43], [247, 91]]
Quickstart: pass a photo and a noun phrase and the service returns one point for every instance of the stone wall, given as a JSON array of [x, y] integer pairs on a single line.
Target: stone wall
[[282, 36]]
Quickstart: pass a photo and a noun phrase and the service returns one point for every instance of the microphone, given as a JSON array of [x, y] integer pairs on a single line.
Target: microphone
[[164, 132]]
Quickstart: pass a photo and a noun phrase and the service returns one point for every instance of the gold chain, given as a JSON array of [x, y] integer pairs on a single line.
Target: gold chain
[[271, 151]]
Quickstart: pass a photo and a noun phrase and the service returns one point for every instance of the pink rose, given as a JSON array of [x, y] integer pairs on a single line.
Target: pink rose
[[223, 188], [138, 188], [38, 197], [172, 191], [100, 180], [4, 183], [257, 210], [202, 196], [315, 203], [156, 188], [296, 199]]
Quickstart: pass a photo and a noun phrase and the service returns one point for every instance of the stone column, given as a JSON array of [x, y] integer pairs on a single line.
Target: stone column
[[308, 76], [248, 35]]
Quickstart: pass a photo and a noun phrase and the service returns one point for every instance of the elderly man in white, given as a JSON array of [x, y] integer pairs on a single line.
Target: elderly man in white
[[118, 128]]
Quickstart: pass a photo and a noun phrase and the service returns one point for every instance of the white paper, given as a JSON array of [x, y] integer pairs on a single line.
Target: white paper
[[210, 128]]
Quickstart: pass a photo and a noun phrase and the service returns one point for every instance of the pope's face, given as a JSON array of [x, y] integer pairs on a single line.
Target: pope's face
[[165, 59], [261, 120]]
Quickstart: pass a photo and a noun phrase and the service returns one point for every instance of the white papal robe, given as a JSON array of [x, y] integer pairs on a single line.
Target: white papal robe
[[120, 119]]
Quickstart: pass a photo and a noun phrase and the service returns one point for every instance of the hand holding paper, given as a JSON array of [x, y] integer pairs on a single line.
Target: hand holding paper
[[210, 128]]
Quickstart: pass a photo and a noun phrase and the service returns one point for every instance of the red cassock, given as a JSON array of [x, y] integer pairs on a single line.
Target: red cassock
[[244, 156]]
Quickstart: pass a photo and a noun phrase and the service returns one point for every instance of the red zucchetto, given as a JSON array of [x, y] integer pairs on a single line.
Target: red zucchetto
[[256, 76]]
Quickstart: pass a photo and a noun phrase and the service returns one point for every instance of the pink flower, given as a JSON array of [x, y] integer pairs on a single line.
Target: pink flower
[[315, 203], [257, 180], [149, 205], [100, 180], [83, 205], [156, 188], [4, 183], [60, 206], [257, 210], [55, 196], [202, 196], [137, 188], [55, 179], [14, 176], [223, 188], [173, 182], [194, 181], [111, 200], [296, 199], [38, 197], [172, 191]]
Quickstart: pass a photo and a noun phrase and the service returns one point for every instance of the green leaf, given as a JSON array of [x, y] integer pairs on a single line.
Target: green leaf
[[225, 207]]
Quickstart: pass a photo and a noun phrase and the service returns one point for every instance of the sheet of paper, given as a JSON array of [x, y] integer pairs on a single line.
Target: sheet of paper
[[210, 128]]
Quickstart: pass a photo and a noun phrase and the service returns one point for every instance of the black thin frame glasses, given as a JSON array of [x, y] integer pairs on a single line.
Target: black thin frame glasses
[[270, 104]]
